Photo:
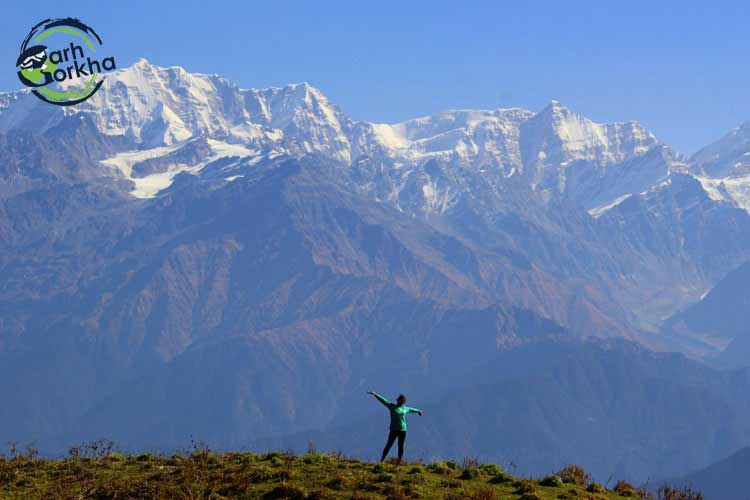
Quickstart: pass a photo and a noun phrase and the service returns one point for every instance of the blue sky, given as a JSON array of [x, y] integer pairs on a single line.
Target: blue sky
[[680, 69]]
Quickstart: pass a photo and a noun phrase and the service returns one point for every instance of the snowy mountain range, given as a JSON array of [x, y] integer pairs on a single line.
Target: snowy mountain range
[[164, 110], [244, 262]]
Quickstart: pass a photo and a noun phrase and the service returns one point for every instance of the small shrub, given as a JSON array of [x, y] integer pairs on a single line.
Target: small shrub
[[244, 458], [393, 493], [116, 457], [451, 483], [501, 478], [285, 491], [469, 473], [369, 486], [410, 493], [491, 469], [523, 487], [451, 464], [439, 468], [567, 496], [553, 481], [314, 458], [675, 493], [145, 457], [378, 468], [531, 496], [417, 469], [455, 495], [483, 493], [414, 479], [595, 488], [319, 495], [337, 483], [261, 475], [574, 474], [271, 455], [385, 477], [624, 488], [23, 483]]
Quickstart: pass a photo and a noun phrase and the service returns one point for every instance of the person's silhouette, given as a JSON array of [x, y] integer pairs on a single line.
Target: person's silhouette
[[398, 410]]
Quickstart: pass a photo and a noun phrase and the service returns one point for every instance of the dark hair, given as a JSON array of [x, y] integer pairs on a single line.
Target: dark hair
[[400, 397]]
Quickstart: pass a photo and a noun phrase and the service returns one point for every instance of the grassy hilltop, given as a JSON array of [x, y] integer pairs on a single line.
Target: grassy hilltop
[[91, 473]]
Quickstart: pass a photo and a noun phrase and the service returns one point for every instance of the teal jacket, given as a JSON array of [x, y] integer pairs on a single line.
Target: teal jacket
[[398, 413]]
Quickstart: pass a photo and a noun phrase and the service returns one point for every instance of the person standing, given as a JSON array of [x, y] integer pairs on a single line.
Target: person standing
[[398, 411]]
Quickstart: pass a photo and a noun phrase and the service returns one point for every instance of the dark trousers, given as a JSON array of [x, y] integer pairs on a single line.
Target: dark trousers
[[401, 435]]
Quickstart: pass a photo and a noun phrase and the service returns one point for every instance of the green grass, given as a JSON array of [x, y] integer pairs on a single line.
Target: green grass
[[277, 475]]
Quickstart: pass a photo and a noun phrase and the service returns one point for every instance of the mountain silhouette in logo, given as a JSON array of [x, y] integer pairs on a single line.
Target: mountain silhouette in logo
[[35, 67]]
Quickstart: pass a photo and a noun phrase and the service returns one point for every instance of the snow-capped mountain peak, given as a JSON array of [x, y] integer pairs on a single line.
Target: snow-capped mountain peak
[[575, 137], [724, 167], [556, 138]]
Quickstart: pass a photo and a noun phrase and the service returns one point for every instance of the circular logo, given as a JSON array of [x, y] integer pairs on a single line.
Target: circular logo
[[61, 61]]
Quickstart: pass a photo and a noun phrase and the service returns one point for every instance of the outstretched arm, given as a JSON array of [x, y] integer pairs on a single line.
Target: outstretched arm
[[415, 410], [380, 398]]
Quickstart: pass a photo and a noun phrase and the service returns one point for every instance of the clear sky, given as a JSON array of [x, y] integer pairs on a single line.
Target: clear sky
[[680, 68]]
